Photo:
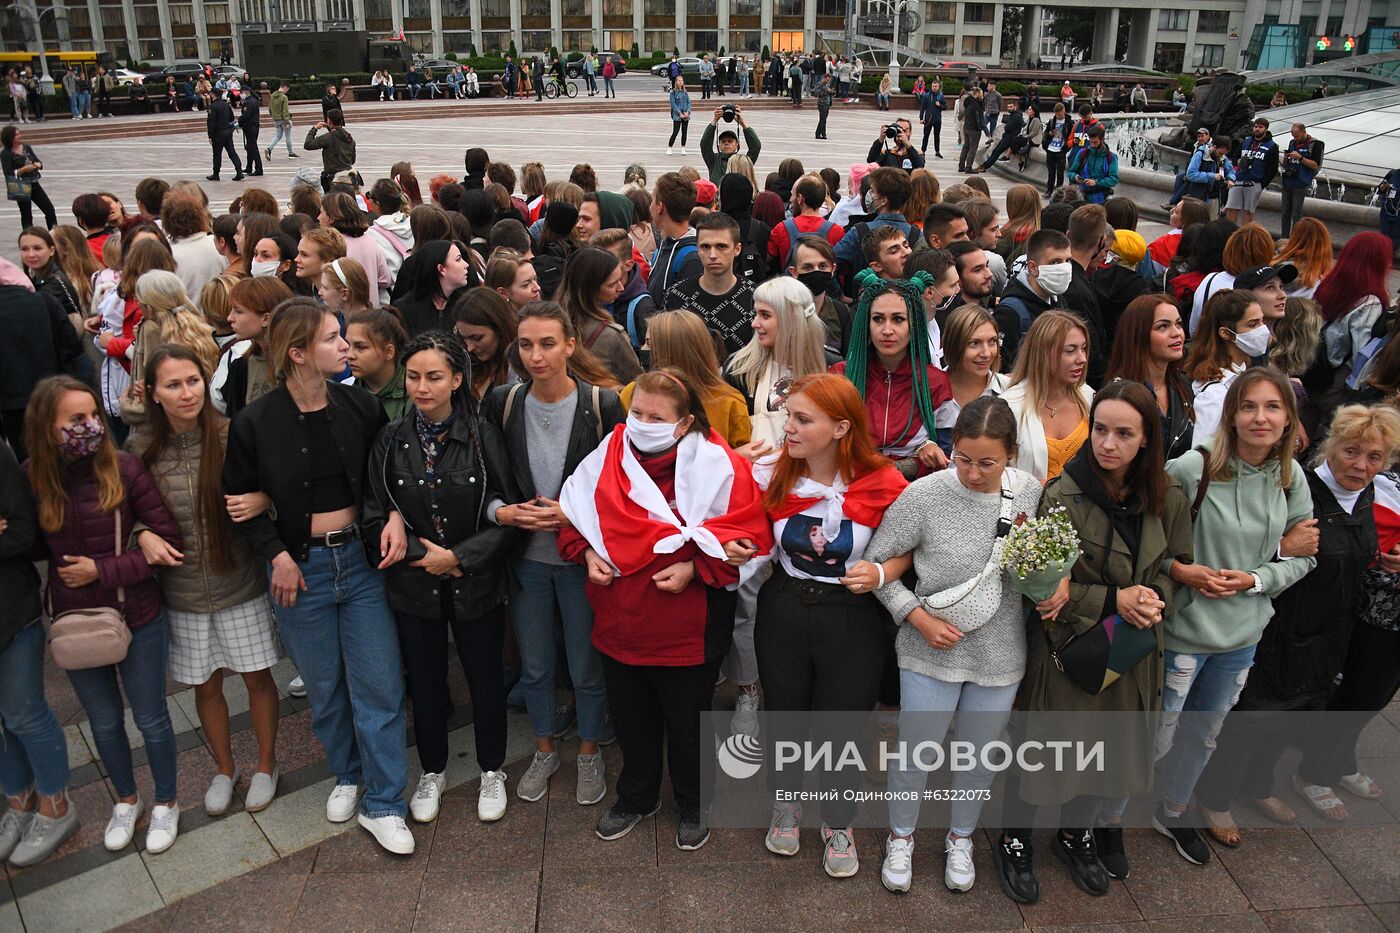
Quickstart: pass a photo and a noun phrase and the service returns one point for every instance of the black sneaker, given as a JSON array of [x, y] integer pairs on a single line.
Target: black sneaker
[[1016, 868], [1188, 842], [616, 823], [692, 832], [1109, 841], [1078, 851]]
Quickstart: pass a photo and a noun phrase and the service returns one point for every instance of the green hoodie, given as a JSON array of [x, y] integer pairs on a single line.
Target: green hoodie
[[1239, 528]]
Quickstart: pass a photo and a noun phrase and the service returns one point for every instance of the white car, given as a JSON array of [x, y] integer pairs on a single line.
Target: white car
[[125, 76]]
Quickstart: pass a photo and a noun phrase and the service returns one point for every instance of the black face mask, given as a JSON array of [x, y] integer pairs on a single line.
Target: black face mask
[[817, 282], [946, 304], [644, 357]]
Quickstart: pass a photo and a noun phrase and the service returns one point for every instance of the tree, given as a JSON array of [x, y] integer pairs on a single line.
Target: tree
[[511, 51], [636, 50], [676, 51], [1012, 24], [765, 54], [1075, 28]]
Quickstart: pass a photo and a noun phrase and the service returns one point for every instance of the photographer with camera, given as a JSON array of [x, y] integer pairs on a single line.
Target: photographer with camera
[[718, 162], [1301, 160], [892, 149]]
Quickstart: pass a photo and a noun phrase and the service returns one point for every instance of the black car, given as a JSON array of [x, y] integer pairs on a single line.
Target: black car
[[575, 69]]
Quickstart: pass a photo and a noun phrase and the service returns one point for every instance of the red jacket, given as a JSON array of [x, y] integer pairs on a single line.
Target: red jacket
[[636, 623], [895, 422], [87, 531], [118, 345]]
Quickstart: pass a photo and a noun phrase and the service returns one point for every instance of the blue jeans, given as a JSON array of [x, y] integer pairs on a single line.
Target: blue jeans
[[343, 639], [608, 89], [1205, 686], [284, 128], [142, 675], [33, 751], [922, 699], [744, 83], [542, 587]]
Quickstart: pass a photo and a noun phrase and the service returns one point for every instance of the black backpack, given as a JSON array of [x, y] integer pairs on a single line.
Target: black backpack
[[752, 262]]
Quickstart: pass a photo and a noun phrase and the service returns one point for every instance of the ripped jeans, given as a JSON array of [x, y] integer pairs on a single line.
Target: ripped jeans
[[1205, 686]]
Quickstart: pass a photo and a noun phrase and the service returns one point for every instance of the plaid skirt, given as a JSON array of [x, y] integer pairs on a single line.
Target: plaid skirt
[[241, 638]]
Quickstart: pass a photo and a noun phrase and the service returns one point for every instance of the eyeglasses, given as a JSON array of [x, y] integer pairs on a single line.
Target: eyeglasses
[[968, 463]]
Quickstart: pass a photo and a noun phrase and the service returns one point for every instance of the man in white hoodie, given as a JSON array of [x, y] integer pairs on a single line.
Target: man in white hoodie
[[390, 229]]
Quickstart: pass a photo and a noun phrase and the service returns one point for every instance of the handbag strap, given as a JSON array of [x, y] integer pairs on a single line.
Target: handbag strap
[[121, 590], [1203, 486]]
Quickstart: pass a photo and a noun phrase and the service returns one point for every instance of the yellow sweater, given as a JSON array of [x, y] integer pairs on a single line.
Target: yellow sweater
[[726, 409]]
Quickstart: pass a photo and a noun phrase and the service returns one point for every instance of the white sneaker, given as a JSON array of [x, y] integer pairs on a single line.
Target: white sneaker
[[426, 799], [297, 687], [745, 719], [391, 832], [219, 797], [668, 150], [261, 790], [958, 874], [165, 826], [122, 826], [340, 805], [491, 799], [685, 151], [897, 873]]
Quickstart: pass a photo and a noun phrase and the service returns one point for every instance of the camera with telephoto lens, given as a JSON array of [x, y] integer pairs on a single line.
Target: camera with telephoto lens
[[728, 111], [892, 131]]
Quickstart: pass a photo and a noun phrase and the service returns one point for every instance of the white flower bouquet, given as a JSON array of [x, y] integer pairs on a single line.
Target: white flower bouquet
[[1039, 553]]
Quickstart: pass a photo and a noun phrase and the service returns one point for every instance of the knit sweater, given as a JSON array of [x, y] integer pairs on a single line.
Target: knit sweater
[[951, 530]]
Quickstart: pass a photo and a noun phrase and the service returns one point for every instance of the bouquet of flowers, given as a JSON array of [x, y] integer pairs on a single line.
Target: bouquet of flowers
[[1039, 553]]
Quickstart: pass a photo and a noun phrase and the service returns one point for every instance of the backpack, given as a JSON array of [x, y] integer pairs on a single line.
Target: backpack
[[632, 333], [678, 260], [863, 233], [794, 234], [1023, 311], [752, 262], [515, 390]]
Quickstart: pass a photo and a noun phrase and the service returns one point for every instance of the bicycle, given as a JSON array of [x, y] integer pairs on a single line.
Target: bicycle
[[557, 88]]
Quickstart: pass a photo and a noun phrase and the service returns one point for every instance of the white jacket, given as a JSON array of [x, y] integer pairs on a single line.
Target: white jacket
[[395, 239], [1032, 454]]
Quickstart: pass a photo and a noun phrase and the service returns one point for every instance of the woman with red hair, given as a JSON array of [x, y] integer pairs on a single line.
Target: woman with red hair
[[1309, 249], [1352, 300], [821, 635], [662, 514]]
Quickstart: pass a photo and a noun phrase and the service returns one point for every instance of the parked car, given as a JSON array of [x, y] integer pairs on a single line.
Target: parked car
[[575, 69], [690, 65], [125, 76], [440, 66]]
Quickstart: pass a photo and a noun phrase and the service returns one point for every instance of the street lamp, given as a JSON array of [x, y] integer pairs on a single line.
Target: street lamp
[[26, 8]]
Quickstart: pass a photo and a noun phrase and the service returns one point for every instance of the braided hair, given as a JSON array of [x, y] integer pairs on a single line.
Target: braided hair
[[452, 350], [858, 353]]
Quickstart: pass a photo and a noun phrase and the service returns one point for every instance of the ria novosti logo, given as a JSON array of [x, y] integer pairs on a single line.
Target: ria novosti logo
[[740, 756]]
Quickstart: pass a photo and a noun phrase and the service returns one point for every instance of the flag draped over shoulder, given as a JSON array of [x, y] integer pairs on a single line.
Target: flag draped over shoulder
[[622, 514]]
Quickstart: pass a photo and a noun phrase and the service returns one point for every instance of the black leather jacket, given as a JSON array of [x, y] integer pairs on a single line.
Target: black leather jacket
[[471, 471]]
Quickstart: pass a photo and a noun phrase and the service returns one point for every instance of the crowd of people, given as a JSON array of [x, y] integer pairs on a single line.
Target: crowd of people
[[702, 426]]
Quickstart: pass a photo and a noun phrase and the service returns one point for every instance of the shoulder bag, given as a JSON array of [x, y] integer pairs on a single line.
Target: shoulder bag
[[974, 602], [86, 638]]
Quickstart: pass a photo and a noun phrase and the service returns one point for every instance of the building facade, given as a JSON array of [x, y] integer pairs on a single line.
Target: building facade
[[1168, 34]]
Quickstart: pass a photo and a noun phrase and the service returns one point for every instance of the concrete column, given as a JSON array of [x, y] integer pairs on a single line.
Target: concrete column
[[556, 27], [1192, 17], [132, 42], [99, 37], [597, 13], [201, 29], [1030, 34], [639, 23], [515, 31], [478, 39], [1105, 34], [235, 23], [435, 17], [681, 36], [809, 25], [765, 28], [957, 31], [397, 10], [722, 28], [996, 33]]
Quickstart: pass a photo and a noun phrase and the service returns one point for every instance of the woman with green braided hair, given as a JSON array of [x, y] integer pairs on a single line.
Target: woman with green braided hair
[[893, 371]]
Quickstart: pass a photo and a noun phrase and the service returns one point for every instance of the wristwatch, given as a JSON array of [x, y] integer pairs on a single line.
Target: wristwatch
[[1258, 586]]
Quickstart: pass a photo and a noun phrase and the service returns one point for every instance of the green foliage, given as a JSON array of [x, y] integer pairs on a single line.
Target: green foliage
[[574, 57], [765, 54], [512, 51], [721, 50], [1012, 22], [636, 50], [676, 50], [554, 51], [1074, 27]]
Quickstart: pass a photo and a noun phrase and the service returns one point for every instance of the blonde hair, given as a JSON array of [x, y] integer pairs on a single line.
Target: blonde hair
[[1039, 353], [328, 241], [1355, 423], [963, 322], [1295, 336], [740, 164], [216, 301], [168, 309], [350, 277], [680, 340], [801, 334], [1223, 450], [295, 324]]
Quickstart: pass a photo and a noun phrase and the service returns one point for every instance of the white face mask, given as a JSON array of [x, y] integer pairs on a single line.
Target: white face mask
[[1253, 343], [263, 267], [1055, 279], [650, 437]]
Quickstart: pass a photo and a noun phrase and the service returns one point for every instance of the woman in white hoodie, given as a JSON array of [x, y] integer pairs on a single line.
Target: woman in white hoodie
[[390, 229]]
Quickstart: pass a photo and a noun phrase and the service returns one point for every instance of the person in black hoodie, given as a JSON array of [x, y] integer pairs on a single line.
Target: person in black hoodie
[[736, 200], [39, 817], [39, 342], [1012, 123], [1033, 291], [477, 162], [219, 125], [556, 245], [248, 121]]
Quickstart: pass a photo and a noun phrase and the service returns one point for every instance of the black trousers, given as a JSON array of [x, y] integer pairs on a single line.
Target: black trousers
[[251, 152], [36, 106], [1017, 816], [221, 144], [1054, 170], [1370, 679], [936, 128], [681, 128], [12, 430], [656, 710], [796, 91], [1003, 145], [26, 208], [821, 121], [423, 643], [820, 648], [102, 102]]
